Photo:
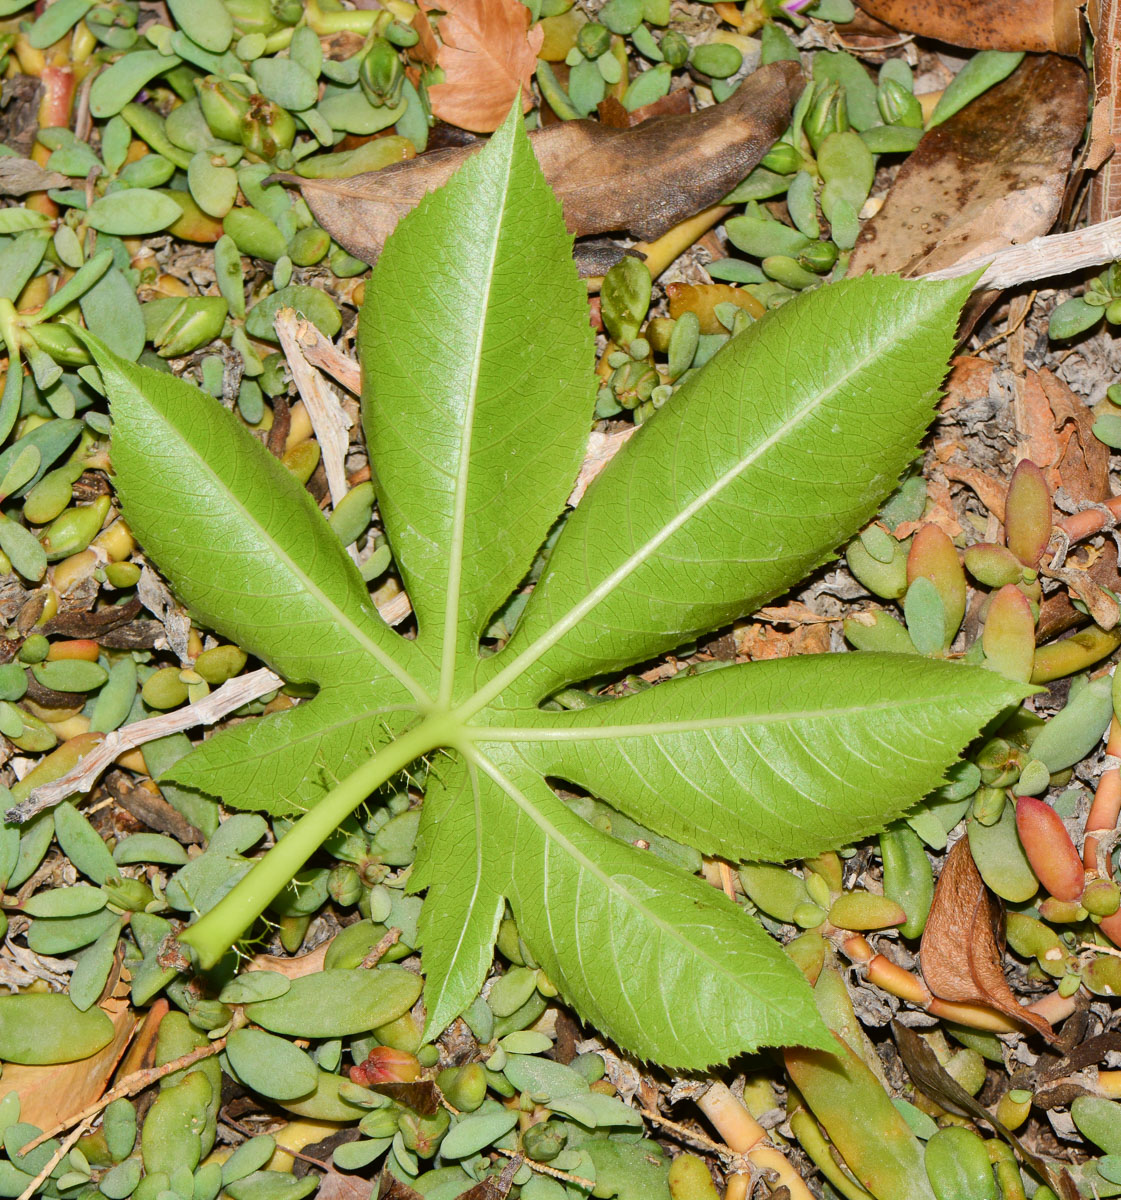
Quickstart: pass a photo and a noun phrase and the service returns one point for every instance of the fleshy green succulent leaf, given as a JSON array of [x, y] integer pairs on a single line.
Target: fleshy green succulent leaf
[[764, 463], [478, 389], [283, 764], [770, 760], [663, 963], [241, 541]]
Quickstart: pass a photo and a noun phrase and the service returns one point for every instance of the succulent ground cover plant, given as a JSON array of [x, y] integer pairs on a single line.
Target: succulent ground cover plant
[[477, 354]]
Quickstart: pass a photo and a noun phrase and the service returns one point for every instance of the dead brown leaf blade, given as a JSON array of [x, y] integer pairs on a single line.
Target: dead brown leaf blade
[[488, 55], [960, 957], [642, 181], [990, 177]]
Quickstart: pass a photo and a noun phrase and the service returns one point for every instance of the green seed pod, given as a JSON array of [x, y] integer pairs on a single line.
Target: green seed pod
[[1103, 976], [287, 12], [593, 40], [268, 128], [401, 35], [999, 763], [818, 257], [74, 529], [252, 16], [674, 48], [782, 158], [988, 804], [309, 246], [131, 895], [177, 326], [423, 1135], [255, 234], [220, 663], [224, 105], [828, 114], [164, 689], [1062, 912], [958, 1167], [544, 1141], [382, 74], [344, 885], [633, 383], [898, 105], [465, 1087]]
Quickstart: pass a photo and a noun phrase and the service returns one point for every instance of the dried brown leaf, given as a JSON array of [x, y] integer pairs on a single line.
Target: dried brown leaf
[[18, 176], [1035, 423], [337, 1185], [959, 954], [422, 1097], [1037, 25], [1083, 463], [488, 56], [643, 180], [991, 176]]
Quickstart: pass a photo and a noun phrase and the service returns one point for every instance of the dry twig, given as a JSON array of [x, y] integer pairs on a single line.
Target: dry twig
[[230, 696]]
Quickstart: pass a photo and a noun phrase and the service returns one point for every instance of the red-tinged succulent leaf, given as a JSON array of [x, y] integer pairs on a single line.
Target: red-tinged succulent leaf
[[385, 1065], [993, 565], [1028, 514], [959, 954], [1009, 637], [1049, 849], [933, 554]]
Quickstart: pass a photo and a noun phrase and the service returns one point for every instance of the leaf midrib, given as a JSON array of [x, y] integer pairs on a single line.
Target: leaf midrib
[[545, 641], [463, 473], [339, 618], [581, 733]]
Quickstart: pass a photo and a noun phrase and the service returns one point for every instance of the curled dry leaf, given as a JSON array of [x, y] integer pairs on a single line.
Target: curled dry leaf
[[1082, 467], [642, 181], [959, 953], [991, 176], [488, 55], [1037, 25]]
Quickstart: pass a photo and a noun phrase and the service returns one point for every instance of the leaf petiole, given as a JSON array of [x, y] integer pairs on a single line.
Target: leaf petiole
[[216, 931]]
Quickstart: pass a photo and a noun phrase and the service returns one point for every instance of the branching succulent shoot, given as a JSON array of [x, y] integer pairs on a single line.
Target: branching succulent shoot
[[477, 358]]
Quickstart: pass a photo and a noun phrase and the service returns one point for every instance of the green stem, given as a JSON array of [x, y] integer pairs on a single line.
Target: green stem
[[214, 933]]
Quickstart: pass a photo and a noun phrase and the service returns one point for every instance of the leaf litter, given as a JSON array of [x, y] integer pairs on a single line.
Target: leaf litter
[[351, 911]]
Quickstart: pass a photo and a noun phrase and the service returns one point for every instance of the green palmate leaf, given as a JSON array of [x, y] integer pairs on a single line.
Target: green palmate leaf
[[661, 959], [282, 764], [763, 464], [478, 390], [768, 760], [478, 397]]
